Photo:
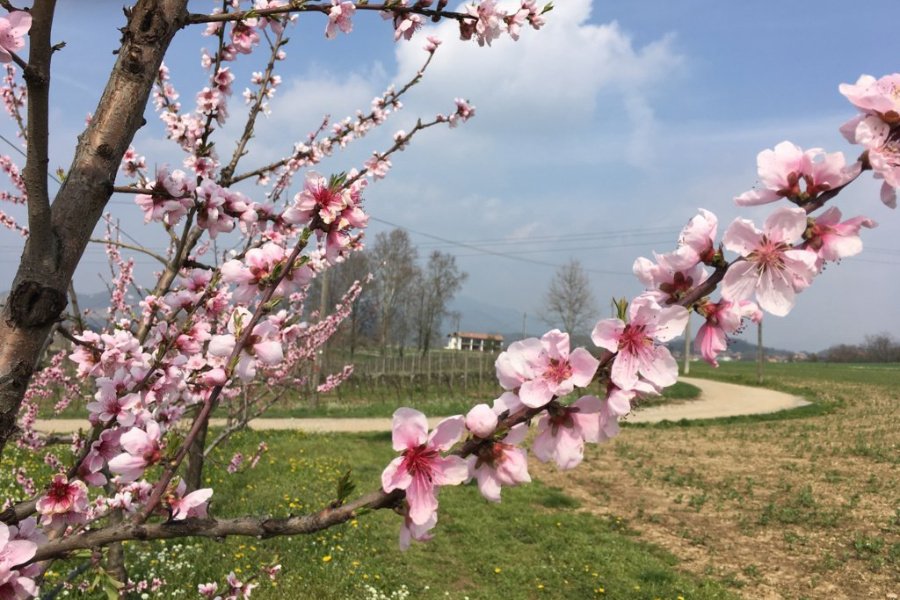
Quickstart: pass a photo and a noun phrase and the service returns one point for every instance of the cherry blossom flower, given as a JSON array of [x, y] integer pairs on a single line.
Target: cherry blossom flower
[[697, 242], [772, 269], [143, 449], [723, 318], [12, 33], [263, 346], [407, 25], [432, 44], [563, 430], [251, 275], [489, 23], [500, 463], [784, 169], [14, 552], [192, 505], [244, 35], [635, 343], [172, 197], [339, 18], [65, 503], [666, 280], [832, 240], [410, 530], [544, 368], [420, 469], [877, 128], [464, 112], [481, 420]]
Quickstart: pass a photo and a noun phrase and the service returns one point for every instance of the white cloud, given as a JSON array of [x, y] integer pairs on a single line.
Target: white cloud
[[569, 72]]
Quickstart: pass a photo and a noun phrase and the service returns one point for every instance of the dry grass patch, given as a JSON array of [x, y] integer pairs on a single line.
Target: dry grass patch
[[803, 508]]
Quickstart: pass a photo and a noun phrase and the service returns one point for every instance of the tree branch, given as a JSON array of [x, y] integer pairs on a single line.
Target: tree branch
[[37, 78]]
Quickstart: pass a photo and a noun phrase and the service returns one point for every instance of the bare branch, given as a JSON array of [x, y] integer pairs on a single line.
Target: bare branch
[[37, 78], [434, 14], [140, 249]]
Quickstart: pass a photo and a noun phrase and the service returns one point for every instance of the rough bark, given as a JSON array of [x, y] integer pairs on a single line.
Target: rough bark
[[38, 291]]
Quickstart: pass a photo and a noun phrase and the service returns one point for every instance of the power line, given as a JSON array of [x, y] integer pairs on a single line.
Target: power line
[[491, 252], [578, 237], [612, 247]]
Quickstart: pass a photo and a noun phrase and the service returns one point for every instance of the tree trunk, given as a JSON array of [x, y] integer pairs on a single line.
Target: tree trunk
[[193, 477], [60, 231]]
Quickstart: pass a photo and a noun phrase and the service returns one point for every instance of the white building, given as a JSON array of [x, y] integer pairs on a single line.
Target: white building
[[478, 342]]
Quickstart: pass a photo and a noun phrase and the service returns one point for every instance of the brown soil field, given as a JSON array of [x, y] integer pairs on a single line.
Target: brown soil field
[[799, 508]]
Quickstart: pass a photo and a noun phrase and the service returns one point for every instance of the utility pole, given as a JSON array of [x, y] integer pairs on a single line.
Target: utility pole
[[759, 353], [687, 347], [319, 361]]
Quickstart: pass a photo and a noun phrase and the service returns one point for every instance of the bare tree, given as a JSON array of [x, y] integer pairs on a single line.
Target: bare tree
[[393, 263], [569, 300], [438, 283]]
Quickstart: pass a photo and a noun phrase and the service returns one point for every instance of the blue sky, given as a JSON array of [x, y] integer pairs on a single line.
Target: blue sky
[[595, 138]]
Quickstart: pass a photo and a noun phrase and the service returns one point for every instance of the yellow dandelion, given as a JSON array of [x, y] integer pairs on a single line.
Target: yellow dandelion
[[326, 558]]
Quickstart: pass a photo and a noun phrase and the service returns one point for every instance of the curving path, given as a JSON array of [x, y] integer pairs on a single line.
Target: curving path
[[716, 400]]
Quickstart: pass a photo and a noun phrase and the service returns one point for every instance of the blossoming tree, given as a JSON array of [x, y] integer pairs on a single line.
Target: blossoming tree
[[216, 322]]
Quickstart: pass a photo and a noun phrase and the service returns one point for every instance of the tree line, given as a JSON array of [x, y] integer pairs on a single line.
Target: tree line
[[404, 304], [878, 348]]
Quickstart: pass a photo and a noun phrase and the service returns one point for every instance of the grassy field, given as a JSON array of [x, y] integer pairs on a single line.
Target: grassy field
[[537, 543], [800, 505], [435, 402], [804, 504]]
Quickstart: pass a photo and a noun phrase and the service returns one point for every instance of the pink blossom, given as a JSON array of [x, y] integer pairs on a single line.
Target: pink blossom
[[65, 503], [542, 369], [251, 275], [431, 44], [464, 112], [500, 463], [666, 280], [832, 240], [192, 505], [697, 242], [263, 345], [562, 432], [489, 23], [320, 202], [772, 268], [410, 531], [244, 35], [211, 214], [405, 26], [12, 33], [142, 450], [723, 318], [481, 421], [420, 469], [339, 17], [784, 169], [172, 197], [877, 128], [14, 552], [636, 346]]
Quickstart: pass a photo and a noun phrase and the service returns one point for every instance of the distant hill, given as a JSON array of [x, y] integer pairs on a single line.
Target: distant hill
[[738, 349]]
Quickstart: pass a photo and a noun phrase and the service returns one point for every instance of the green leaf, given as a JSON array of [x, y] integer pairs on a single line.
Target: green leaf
[[345, 487]]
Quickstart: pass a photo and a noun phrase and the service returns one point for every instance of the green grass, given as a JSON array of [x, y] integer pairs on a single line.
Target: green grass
[[789, 376], [380, 406], [535, 544]]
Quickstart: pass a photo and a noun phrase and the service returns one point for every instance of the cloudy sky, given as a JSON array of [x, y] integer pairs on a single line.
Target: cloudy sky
[[595, 138]]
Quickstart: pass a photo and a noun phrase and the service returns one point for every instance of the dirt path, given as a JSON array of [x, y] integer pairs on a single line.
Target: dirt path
[[716, 400]]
